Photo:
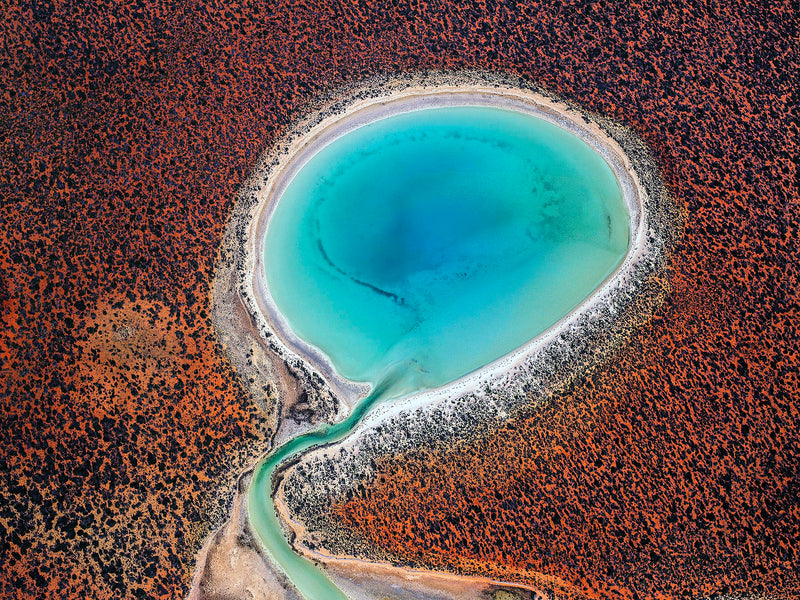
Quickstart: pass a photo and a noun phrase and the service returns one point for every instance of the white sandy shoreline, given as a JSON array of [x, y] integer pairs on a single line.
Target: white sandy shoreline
[[365, 111]]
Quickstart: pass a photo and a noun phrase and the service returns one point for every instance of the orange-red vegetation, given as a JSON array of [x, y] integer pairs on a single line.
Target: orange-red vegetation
[[127, 129]]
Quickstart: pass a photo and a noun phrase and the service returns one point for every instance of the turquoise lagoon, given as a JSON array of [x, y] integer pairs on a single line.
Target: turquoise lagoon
[[431, 243], [420, 247]]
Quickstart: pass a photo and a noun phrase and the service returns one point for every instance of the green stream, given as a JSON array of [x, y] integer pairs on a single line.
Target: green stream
[[306, 576]]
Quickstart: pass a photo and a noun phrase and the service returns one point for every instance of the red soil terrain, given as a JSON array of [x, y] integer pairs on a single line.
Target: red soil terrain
[[127, 128]]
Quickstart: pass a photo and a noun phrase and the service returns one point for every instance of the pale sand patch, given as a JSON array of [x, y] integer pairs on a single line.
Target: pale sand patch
[[231, 566], [362, 580]]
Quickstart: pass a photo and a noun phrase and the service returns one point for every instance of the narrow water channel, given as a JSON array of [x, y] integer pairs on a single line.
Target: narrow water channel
[[309, 579]]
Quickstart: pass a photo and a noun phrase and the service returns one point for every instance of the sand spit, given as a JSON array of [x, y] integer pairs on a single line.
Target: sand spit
[[261, 344], [363, 580]]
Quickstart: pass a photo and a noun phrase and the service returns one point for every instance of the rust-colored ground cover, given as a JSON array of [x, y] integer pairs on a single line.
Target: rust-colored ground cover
[[127, 128]]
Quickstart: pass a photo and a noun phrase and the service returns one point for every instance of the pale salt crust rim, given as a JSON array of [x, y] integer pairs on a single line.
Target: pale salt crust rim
[[364, 111]]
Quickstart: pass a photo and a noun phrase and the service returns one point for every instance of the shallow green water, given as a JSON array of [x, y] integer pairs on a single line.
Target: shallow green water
[[423, 246]]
